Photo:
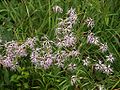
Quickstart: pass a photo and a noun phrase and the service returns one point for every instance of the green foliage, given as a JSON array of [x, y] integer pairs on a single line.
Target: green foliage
[[20, 19]]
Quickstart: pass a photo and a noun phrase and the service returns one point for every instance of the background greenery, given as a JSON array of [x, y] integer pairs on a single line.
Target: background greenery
[[20, 19]]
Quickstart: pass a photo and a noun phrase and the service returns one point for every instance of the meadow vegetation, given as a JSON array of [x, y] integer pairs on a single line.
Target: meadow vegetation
[[59, 44]]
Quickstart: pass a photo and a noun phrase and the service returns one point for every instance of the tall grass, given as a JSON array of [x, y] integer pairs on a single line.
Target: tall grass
[[20, 19]]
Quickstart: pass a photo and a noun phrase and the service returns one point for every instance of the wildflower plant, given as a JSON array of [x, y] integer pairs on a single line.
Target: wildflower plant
[[65, 62]]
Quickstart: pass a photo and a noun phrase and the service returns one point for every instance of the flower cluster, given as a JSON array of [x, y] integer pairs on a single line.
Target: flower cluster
[[103, 47], [45, 53], [103, 68], [65, 36], [92, 39], [42, 57], [60, 57], [15, 50]]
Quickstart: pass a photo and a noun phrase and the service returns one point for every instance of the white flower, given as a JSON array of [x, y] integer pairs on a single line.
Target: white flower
[[60, 64], [8, 62], [72, 66], [74, 53], [0, 40], [110, 58], [10, 48], [108, 70], [96, 41], [60, 57], [101, 87], [60, 44], [86, 62], [103, 47], [99, 66], [57, 9], [71, 12], [65, 37], [103, 68], [90, 22], [73, 79]]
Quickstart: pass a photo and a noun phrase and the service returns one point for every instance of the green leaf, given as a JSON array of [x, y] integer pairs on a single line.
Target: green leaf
[[107, 20], [26, 85]]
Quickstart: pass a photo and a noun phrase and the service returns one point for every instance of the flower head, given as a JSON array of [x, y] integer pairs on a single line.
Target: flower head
[[86, 62], [92, 39], [103, 47], [30, 42], [103, 68], [57, 9], [72, 66], [73, 80], [90, 22], [110, 58], [74, 53]]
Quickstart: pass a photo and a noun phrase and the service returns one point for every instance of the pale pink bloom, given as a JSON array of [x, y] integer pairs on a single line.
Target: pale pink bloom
[[30, 42], [72, 16], [8, 62], [10, 48], [49, 60], [91, 38], [21, 51], [69, 40], [34, 57]]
